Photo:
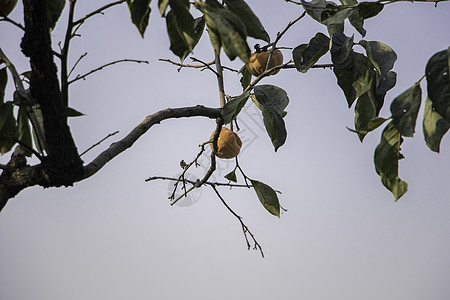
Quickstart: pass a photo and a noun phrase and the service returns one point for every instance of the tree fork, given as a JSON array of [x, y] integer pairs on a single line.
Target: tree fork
[[62, 165]]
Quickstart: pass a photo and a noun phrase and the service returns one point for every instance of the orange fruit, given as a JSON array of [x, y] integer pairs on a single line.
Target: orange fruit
[[258, 62], [228, 145]]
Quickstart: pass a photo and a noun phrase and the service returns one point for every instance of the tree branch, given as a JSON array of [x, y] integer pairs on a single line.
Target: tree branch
[[79, 77], [170, 113], [97, 11]]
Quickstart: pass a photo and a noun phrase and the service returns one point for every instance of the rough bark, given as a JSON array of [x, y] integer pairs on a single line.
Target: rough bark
[[62, 163]]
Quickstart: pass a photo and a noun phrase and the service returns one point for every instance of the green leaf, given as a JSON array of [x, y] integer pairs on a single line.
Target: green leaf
[[334, 14], [246, 78], [355, 18], [437, 72], [387, 155], [140, 13], [163, 4], [24, 131], [226, 30], [252, 23], [267, 196], [232, 108], [305, 56], [405, 108], [352, 70], [54, 10], [181, 44], [383, 86], [8, 127], [315, 8], [275, 127], [3, 82], [40, 119], [434, 127], [272, 98], [71, 112], [365, 111], [231, 176], [381, 56], [184, 21], [368, 10]]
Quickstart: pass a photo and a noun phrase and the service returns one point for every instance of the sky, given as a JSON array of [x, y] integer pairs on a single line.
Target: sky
[[115, 236]]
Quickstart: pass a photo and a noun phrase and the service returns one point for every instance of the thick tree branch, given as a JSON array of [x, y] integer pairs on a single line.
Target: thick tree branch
[[118, 147], [63, 164]]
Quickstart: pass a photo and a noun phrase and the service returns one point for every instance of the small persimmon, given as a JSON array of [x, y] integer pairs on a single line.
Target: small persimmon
[[258, 62], [228, 144]]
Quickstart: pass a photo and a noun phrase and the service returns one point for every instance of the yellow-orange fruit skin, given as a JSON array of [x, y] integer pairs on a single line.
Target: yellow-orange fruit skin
[[258, 62], [6, 7], [228, 145]]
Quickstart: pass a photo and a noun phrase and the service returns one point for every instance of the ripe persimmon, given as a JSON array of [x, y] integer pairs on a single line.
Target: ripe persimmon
[[258, 62], [228, 145]]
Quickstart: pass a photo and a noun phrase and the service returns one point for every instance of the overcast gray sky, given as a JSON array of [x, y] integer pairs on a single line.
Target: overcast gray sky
[[115, 236]]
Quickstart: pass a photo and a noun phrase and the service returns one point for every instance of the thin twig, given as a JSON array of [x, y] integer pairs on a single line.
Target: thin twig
[[97, 11], [202, 66], [98, 143], [13, 22], [79, 77], [245, 229], [65, 54], [76, 63], [206, 65]]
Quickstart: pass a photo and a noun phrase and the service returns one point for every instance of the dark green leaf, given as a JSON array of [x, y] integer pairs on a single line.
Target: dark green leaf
[[434, 127], [268, 197], [315, 8], [184, 21], [252, 23], [355, 18], [231, 176], [70, 112], [140, 13], [232, 108], [272, 98], [3, 82], [226, 30], [405, 108], [387, 155], [24, 131], [54, 10], [438, 82], [342, 50], [8, 127], [305, 56], [246, 78], [352, 70], [369, 9], [275, 127], [334, 14], [381, 56], [40, 119], [365, 111], [382, 86]]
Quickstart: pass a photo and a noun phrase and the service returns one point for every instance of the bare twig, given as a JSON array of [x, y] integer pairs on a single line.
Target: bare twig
[[65, 54], [245, 229], [202, 66], [79, 77], [97, 11], [76, 63], [13, 22], [99, 142], [206, 65]]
